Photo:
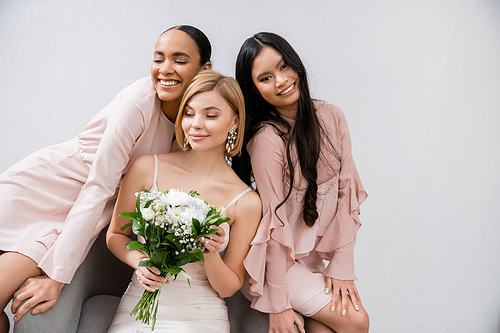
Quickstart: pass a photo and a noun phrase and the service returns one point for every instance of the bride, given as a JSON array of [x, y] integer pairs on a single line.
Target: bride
[[211, 118]]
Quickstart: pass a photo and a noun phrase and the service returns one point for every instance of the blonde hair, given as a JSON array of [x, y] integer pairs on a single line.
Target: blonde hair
[[228, 88]]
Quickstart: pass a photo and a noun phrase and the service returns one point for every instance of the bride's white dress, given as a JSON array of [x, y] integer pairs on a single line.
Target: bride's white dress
[[182, 308]]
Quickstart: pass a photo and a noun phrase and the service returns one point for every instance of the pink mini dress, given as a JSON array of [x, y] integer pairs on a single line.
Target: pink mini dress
[[285, 265], [55, 202]]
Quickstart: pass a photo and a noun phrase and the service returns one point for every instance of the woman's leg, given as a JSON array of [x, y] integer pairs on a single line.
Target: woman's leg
[[353, 321], [315, 326], [15, 268]]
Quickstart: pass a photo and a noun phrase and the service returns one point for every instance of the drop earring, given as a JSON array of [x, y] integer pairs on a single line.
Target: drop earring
[[186, 144], [231, 138]]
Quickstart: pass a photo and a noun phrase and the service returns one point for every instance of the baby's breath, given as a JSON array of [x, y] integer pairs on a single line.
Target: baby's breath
[[174, 224]]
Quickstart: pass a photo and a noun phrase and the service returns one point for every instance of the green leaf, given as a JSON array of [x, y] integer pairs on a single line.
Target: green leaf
[[188, 257], [129, 215], [138, 203], [176, 270], [193, 193], [146, 263], [174, 241], [186, 275], [196, 225], [160, 257], [126, 226], [150, 232], [155, 240], [222, 220], [138, 227], [135, 245], [199, 254], [184, 259], [148, 203]]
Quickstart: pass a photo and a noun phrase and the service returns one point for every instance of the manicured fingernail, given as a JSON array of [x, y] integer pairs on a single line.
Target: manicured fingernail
[[37, 311], [15, 318], [356, 307], [326, 290], [343, 312], [333, 308]]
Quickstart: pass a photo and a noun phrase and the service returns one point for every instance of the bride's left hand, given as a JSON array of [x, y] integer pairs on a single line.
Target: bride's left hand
[[213, 243]]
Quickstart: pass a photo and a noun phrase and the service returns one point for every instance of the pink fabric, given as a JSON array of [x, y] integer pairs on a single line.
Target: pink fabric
[[278, 244], [56, 201]]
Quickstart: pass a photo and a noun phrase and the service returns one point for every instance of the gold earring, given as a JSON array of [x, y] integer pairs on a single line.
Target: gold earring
[[186, 144], [231, 138]]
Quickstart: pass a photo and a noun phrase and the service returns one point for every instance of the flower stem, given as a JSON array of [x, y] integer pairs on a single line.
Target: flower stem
[[147, 307]]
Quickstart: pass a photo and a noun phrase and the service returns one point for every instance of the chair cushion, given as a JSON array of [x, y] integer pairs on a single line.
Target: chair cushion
[[97, 314]]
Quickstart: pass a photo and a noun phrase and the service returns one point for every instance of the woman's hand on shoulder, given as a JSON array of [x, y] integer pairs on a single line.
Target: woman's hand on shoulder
[[343, 290]]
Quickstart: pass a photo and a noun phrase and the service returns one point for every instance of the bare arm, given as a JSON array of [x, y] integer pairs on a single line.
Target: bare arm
[[226, 275], [137, 179]]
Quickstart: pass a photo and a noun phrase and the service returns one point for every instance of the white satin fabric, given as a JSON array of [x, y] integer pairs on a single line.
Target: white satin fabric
[[182, 308]]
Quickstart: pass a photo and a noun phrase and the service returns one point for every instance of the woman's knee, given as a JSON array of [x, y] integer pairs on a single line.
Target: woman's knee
[[15, 268], [360, 321]]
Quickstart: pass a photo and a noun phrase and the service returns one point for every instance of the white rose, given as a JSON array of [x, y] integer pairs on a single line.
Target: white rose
[[147, 214]]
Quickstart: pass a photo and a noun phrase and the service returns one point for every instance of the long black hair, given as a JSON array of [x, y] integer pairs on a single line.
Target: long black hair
[[306, 132], [201, 40]]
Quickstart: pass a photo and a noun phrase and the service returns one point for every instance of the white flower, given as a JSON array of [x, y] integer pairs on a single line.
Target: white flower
[[176, 198], [158, 206], [222, 211], [148, 213]]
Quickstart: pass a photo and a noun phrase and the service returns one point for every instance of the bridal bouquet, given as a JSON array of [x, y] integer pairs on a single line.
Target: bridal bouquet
[[173, 224]]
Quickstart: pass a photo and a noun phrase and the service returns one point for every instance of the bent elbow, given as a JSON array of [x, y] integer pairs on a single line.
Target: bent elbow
[[227, 293], [230, 290]]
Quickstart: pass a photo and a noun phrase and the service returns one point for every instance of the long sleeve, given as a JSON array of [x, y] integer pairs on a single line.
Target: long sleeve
[[126, 118], [272, 248], [337, 243]]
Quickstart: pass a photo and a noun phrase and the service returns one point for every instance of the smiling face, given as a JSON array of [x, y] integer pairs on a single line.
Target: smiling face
[[176, 61], [276, 82], [206, 121]]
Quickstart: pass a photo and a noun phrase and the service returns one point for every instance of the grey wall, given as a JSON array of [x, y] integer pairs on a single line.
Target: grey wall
[[417, 80]]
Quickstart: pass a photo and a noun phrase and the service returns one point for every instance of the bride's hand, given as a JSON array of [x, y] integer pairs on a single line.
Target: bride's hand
[[213, 243], [149, 277]]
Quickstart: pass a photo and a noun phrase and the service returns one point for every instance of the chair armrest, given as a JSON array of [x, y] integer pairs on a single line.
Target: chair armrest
[[100, 273]]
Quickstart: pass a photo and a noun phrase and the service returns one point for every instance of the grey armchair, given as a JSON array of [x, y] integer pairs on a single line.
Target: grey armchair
[[88, 304]]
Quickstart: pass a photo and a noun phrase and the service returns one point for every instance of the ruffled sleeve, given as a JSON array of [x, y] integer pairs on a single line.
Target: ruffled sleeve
[[128, 116], [272, 250], [337, 242]]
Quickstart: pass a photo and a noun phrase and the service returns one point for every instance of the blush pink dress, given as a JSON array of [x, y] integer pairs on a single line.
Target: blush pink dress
[[56, 201], [285, 264]]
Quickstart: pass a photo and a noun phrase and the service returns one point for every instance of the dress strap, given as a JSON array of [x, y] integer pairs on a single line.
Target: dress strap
[[237, 198], [155, 176]]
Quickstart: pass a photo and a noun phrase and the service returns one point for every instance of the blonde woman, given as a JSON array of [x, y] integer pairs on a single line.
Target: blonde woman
[[210, 110]]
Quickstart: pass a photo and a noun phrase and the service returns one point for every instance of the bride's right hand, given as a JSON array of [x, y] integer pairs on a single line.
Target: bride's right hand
[[149, 277]]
